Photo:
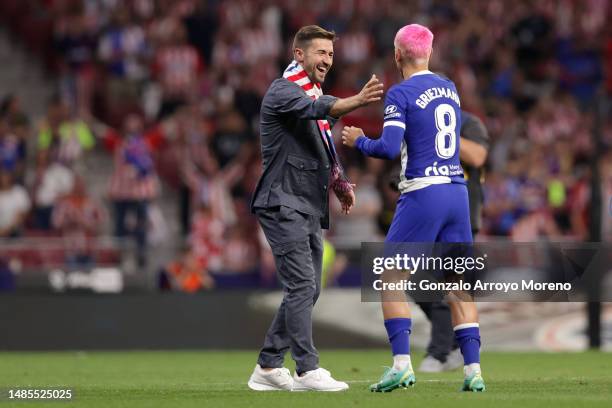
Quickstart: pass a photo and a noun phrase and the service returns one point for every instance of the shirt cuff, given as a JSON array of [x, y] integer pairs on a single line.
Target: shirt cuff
[[359, 143]]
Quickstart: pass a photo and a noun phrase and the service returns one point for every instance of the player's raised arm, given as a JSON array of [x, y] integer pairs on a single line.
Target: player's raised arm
[[388, 146]]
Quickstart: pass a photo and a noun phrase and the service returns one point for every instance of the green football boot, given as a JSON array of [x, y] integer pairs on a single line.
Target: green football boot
[[392, 379], [473, 383]]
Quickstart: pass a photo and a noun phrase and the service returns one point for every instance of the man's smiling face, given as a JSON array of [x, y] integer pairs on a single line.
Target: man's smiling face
[[316, 59]]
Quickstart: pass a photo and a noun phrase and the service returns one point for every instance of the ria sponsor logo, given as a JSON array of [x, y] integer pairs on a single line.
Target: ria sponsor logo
[[437, 171], [444, 170]]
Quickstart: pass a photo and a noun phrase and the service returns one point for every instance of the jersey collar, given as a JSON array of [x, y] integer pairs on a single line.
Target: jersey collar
[[423, 72]]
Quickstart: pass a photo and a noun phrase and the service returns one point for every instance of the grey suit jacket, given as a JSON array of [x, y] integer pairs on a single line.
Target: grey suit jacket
[[296, 163]]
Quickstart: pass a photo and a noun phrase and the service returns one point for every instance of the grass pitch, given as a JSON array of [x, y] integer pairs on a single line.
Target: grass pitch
[[218, 379]]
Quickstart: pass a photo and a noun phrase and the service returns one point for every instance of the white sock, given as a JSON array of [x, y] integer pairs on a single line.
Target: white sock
[[471, 369], [401, 361]]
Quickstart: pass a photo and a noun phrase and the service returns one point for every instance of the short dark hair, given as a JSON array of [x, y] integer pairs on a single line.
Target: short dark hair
[[310, 32]]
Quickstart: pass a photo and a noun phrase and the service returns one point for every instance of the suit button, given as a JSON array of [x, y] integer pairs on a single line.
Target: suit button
[[325, 187], [301, 165], [327, 166]]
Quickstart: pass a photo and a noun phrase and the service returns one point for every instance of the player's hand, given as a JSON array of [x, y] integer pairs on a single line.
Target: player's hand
[[371, 92], [350, 134], [347, 200]]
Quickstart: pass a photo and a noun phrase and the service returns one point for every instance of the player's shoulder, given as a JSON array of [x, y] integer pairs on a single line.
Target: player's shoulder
[[400, 93]]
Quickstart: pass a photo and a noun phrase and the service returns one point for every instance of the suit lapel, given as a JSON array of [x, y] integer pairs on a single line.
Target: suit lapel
[[320, 142]]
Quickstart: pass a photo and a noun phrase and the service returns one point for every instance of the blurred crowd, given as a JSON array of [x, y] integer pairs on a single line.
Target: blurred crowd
[[172, 88]]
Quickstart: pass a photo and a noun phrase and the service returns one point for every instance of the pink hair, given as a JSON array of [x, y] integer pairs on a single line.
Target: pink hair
[[414, 41]]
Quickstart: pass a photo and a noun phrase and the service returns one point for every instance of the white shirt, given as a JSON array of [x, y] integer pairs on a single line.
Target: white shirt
[[13, 202], [57, 181]]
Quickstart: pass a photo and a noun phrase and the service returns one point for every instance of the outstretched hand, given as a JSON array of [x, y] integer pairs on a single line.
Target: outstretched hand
[[371, 92], [350, 134]]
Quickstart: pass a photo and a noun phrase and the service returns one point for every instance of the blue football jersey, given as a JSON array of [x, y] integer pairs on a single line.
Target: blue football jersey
[[426, 107], [422, 124]]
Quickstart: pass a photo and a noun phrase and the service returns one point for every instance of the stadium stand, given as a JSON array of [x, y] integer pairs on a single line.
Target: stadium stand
[[195, 73]]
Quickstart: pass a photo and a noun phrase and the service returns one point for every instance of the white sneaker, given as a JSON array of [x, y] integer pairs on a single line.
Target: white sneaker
[[277, 379], [431, 364], [317, 380]]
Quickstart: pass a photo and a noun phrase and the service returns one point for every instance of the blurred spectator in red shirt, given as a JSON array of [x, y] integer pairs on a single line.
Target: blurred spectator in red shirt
[[134, 183], [77, 215], [79, 218], [207, 237], [177, 66]]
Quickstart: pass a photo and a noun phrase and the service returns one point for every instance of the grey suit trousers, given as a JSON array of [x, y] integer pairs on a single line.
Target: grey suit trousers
[[297, 244]]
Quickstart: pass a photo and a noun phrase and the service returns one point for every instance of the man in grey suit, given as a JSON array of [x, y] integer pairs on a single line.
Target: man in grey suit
[[300, 165]]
